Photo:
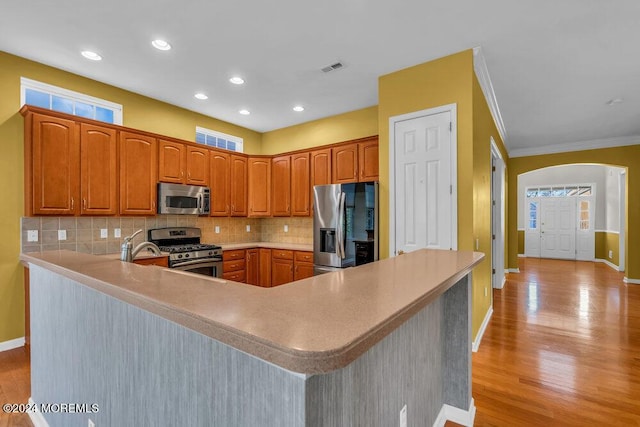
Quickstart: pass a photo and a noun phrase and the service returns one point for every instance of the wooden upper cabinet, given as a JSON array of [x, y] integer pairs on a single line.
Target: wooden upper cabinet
[[138, 174], [98, 170], [259, 173], [172, 161], [197, 165], [368, 160], [238, 185], [281, 186], [321, 167], [220, 181], [345, 163], [300, 185], [55, 165]]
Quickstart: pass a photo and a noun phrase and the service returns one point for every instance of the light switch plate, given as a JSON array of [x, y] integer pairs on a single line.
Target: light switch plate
[[217, 229], [62, 234], [117, 232], [104, 233], [248, 228], [32, 235], [286, 228]]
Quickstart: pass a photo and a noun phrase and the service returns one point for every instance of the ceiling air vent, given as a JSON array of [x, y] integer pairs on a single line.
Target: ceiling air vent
[[332, 67]]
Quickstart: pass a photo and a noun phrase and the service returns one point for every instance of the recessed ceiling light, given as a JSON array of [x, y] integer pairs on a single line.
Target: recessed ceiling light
[[91, 55], [298, 108], [614, 101], [244, 112], [236, 80], [201, 95], [161, 44]]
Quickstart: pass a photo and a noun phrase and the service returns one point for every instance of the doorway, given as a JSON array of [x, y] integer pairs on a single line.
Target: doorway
[[422, 180], [497, 217]]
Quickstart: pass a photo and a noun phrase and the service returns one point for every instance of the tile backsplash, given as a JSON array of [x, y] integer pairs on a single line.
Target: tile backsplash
[[83, 234]]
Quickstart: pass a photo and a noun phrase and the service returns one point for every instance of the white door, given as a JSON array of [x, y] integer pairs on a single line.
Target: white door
[[497, 221], [423, 182], [558, 228], [585, 233], [532, 228]]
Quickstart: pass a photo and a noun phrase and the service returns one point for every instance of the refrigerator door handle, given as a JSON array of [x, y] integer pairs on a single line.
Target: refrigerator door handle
[[341, 230]]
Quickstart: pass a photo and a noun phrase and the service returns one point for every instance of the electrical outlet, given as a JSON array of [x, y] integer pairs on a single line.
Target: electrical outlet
[[104, 233], [62, 234], [117, 232], [248, 228], [610, 254], [477, 244], [217, 229], [485, 292], [286, 228], [32, 235], [403, 416], [91, 423]]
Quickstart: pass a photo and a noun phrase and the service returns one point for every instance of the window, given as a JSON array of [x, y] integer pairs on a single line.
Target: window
[[584, 219], [66, 101], [533, 215], [217, 139], [559, 191]]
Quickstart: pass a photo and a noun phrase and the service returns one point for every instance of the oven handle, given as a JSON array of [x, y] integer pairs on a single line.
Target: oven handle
[[207, 263]]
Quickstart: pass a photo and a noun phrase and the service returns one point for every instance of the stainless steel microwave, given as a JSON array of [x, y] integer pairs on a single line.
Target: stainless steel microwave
[[178, 199]]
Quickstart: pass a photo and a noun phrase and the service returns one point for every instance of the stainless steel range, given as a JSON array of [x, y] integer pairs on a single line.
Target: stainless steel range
[[186, 253]]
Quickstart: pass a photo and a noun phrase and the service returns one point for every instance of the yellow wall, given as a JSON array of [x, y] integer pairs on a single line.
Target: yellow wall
[[521, 242], [342, 127], [606, 242], [139, 112], [628, 157]]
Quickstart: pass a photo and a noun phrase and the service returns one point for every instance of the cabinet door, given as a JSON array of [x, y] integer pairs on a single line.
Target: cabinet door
[[303, 270], [368, 159], [259, 186], [345, 163], [220, 183], [321, 167], [56, 166], [238, 188], [281, 186], [197, 166], [264, 265], [138, 174], [98, 170], [281, 271], [252, 266], [171, 164], [300, 184]]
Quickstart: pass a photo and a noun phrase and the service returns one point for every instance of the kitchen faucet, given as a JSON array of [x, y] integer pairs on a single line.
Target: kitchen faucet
[[129, 253]]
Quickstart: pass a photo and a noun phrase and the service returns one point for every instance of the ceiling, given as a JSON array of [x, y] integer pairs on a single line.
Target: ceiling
[[553, 64]]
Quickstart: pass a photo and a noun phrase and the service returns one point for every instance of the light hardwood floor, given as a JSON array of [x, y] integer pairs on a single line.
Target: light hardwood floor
[[562, 349]]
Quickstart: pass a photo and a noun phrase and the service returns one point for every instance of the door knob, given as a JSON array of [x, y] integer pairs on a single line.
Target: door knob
[[400, 252]]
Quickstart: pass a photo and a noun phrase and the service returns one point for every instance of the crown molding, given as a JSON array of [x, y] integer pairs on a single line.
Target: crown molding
[[482, 73], [593, 144]]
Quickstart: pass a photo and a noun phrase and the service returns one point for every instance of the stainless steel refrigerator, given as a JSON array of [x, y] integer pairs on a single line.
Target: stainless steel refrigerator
[[345, 225]]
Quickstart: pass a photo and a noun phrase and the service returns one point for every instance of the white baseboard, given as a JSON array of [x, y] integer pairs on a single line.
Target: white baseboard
[[513, 270], [476, 343], [501, 285], [522, 256], [457, 415], [36, 417], [11, 344], [609, 263], [632, 281]]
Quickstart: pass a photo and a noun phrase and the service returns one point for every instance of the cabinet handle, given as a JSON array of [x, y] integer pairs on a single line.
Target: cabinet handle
[[153, 205], [181, 174], [84, 203], [72, 203]]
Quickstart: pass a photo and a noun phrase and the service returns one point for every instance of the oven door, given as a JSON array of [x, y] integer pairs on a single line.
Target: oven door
[[212, 268]]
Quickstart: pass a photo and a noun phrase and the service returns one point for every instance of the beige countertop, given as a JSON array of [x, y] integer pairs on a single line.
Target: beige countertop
[[288, 246], [310, 326]]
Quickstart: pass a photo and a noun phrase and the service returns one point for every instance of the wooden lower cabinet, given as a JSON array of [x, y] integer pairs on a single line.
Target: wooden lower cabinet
[[281, 271], [252, 266], [233, 265], [264, 265], [160, 261], [303, 265]]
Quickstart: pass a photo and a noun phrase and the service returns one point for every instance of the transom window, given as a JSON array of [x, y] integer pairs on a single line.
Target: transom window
[[67, 101], [557, 191], [217, 139]]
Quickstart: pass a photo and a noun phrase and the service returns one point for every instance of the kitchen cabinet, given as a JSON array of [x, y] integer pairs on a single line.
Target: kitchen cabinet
[[98, 170], [281, 267], [238, 187], [182, 164], [233, 265], [259, 188], [281, 186], [300, 185], [321, 167], [160, 261], [368, 160], [53, 145], [252, 266], [303, 265], [345, 164], [138, 174], [264, 276], [220, 180]]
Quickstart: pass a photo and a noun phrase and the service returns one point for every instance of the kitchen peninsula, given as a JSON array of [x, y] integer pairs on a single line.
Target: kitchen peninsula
[[152, 346]]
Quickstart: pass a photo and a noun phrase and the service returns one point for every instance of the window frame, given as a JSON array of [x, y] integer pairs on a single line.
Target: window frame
[[238, 141]]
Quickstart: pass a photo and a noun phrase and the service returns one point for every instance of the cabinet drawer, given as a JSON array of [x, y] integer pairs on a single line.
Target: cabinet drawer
[[236, 276], [233, 265], [304, 256], [281, 254], [161, 261], [234, 254]]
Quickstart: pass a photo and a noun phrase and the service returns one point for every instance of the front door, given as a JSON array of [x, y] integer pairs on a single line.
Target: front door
[[423, 182], [558, 228]]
